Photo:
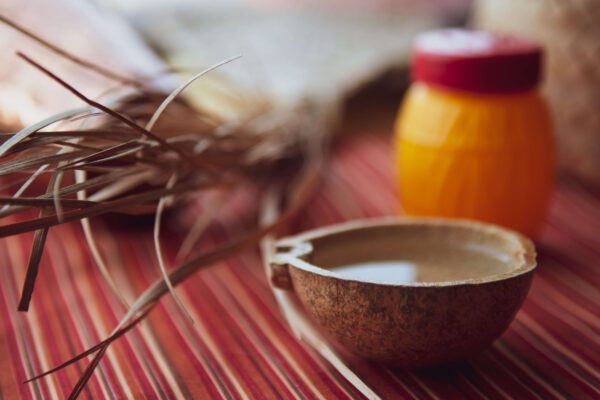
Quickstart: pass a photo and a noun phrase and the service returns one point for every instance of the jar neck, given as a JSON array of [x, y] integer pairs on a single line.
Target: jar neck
[[474, 94]]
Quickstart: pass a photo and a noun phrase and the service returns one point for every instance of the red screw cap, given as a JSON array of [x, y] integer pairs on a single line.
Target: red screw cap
[[476, 61]]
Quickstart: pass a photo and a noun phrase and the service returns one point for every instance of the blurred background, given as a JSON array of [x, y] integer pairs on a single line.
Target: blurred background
[[294, 50]]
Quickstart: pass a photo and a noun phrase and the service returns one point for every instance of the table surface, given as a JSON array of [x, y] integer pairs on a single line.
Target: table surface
[[240, 347]]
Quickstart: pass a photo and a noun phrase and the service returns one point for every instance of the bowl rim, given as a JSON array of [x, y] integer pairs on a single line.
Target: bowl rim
[[300, 245]]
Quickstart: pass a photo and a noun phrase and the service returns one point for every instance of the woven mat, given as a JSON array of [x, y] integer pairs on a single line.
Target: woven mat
[[239, 346]]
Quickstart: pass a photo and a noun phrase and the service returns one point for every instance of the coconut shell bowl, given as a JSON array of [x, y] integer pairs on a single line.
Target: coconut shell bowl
[[409, 293]]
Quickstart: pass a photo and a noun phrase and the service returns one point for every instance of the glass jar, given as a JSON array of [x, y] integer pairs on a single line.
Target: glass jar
[[473, 136]]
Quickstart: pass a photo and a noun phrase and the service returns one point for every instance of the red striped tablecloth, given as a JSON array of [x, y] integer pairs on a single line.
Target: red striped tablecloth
[[239, 346]]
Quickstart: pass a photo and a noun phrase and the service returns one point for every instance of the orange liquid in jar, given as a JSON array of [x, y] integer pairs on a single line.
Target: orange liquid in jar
[[471, 143]]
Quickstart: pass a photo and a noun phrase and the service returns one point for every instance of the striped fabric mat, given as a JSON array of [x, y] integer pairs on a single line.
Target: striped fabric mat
[[239, 346]]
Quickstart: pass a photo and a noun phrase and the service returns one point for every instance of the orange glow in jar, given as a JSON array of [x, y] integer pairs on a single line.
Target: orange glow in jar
[[474, 138]]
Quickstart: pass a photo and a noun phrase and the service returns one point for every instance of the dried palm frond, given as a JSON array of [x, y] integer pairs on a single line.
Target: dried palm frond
[[117, 156]]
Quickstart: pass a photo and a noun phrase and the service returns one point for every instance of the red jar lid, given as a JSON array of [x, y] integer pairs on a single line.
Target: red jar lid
[[476, 61]]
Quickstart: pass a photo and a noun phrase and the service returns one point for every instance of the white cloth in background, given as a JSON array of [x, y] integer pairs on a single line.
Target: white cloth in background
[[80, 27]]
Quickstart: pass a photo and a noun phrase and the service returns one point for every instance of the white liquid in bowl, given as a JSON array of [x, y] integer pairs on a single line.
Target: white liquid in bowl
[[427, 266], [380, 271]]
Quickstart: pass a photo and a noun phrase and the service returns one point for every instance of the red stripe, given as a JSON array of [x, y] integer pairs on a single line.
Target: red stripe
[[505, 379], [502, 345], [24, 331], [11, 338], [565, 334], [574, 372], [550, 285], [279, 329], [142, 257], [82, 301], [54, 307], [556, 374], [223, 336], [274, 381]]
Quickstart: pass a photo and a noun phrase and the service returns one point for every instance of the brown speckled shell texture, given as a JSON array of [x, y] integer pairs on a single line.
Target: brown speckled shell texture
[[405, 325]]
